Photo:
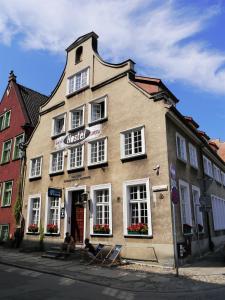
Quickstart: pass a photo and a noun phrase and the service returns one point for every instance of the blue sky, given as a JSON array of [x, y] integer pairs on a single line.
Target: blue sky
[[182, 42]]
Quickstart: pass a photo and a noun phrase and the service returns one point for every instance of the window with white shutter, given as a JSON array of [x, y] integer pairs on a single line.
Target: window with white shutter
[[193, 156], [198, 213], [185, 206], [181, 147]]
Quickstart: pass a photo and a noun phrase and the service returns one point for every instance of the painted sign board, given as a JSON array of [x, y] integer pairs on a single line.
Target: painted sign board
[[52, 192]]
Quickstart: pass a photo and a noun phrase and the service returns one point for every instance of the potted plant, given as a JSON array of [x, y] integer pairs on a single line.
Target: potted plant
[[33, 228], [52, 228], [102, 229], [139, 228]]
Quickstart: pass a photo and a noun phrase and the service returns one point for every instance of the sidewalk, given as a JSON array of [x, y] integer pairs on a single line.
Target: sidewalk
[[204, 274]]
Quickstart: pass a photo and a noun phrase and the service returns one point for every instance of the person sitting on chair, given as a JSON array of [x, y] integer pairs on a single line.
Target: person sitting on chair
[[68, 243], [89, 247]]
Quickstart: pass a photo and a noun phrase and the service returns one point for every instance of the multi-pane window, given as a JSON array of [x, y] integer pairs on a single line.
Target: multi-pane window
[[132, 142], [136, 205], [56, 162], [101, 220], [218, 211], [58, 125], [181, 147], [7, 193], [4, 232], [54, 213], [77, 118], [75, 158], [98, 109], [217, 174], [35, 167], [193, 156], [78, 81], [33, 217], [5, 120], [102, 207], [6, 150], [97, 151], [207, 166], [185, 206], [17, 153], [198, 213]]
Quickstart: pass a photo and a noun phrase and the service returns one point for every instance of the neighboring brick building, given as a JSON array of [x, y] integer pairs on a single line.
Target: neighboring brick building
[[19, 109], [115, 154]]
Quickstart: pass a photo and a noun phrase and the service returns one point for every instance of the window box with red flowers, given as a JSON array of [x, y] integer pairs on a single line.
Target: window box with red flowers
[[138, 229], [52, 228], [101, 229], [33, 228]]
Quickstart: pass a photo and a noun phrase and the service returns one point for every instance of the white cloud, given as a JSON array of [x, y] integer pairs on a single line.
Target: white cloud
[[158, 35]]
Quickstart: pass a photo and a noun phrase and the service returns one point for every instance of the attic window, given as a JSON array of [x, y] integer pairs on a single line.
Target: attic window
[[79, 53]]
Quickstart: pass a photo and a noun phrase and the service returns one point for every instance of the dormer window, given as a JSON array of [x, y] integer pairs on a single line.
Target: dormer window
[[79, 54], [78, 81]]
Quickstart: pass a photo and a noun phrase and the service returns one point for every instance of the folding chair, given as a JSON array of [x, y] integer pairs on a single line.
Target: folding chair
[[112, 256], [98, 253]]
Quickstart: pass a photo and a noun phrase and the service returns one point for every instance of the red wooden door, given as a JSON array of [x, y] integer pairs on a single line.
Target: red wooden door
[[79, 224]]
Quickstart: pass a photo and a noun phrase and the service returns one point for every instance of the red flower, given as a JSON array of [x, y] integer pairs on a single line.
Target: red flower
[[139, 228], [52, 228], [104, 228], [33, 228]]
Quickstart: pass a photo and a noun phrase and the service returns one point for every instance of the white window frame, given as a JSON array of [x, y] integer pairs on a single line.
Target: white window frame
[[14, 146], [5, 225], [217, 174], [90, 109], [29, 211], [186, 205], [122, 142], [51, 161], [73, 77], [93, 189], [105, 151], [80, 108], [193, 156], [218, 212], [61, 116], [183, 149], [207, 165], [3, 125], [69, 158], [31, 161], [3, 192], [196, 204], [10, 140], [126, 213], [47, 214]]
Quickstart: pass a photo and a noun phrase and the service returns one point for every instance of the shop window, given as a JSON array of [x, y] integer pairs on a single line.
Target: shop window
[[78, 81], [193, 156], [181, 147], [75, 157], [79, 53], [98, 110], [207, 164], [18, 141], [132, 142], [77, 117], [7, 193], [35, 167], [57, 162], [137, 215], [58, 126], [6, 150], [53, 215], [4, 232], [101, 221], [33, 219], [185, 207], [97, 152]]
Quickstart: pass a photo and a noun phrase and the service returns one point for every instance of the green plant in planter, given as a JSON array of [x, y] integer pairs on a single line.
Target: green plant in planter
[[33, 228], [139, 228]]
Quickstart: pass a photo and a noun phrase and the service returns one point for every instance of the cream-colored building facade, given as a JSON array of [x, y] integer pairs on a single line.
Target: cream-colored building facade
[[104, 157]]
